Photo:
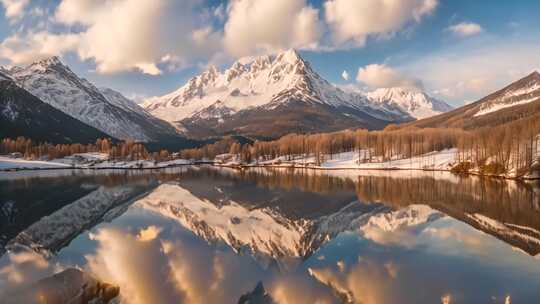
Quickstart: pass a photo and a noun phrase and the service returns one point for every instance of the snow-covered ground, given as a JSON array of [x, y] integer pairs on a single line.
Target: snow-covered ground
[[441, 160], [85, 161], [500, 106], [7, 163]]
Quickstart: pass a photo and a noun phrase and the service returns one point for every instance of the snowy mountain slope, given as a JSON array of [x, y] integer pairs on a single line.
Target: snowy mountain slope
[[267, 84], [416, 103], [54, 83], [518, 100], [524, 91], [119, 100], [23, 114], [4, 75], [525, 238]]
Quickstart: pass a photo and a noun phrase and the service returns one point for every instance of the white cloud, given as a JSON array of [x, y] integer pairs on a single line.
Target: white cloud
[[352, 20], [345, 75], [153, 36], [162, 270], [382, 76], [24, 49], [129, 34], [472, 69], [14, 8], [24, 268], [78, 11], [369, 281], [255, 26], [149, 233], [123, 35], [466, 29], [446, 299]]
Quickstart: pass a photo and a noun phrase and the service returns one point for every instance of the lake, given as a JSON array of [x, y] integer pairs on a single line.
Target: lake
[[208, 235]]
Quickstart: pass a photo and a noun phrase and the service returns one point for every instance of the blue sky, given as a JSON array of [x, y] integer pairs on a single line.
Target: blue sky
[[455, 50]]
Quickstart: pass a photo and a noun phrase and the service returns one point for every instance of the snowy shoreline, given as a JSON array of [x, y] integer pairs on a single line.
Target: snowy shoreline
[[315, 168], [90, 161], [441, 161]]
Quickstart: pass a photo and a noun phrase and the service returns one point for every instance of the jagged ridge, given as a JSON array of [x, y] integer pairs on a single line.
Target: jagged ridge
[[256, 91], [54, 83]]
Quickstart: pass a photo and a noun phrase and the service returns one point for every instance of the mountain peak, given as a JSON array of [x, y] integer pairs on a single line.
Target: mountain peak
[[290, 56], [50, 61], [212, 69], [413, 101], [400, 90]]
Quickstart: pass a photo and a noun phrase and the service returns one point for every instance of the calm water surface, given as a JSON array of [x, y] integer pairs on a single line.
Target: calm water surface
[[204, 235]]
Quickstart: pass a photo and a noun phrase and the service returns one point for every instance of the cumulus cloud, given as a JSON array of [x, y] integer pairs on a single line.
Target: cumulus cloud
[[367, 282], [471, 69], [466, 29], [382, 76], [26, 48], [345, 75], [154, 36], [352, 20], [161, 270], [14, 8], [78, 11], [129, 34], [446, 299], [137, 267], [23, 268], [149, 233], [255, 26], [124, 35]]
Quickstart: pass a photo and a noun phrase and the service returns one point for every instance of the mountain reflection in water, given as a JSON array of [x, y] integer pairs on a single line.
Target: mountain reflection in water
[[203, 235]]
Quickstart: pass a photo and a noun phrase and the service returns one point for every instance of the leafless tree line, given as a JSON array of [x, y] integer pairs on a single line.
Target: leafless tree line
[[512, 146], [127, 150]]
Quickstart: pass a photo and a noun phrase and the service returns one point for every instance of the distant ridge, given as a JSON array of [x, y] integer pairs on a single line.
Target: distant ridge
[[518, 100]]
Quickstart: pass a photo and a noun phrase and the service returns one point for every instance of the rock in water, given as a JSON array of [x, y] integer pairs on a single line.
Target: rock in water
[[69, 286], [257, 296]]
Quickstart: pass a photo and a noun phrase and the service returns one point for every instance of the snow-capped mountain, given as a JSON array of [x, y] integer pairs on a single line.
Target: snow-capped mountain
[[281, 89], [414, 102], [23, 114], [521, 92], [54, 83]]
